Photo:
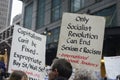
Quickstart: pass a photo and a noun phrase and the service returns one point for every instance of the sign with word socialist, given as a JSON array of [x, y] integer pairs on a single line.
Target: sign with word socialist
[[28, 53], [81, 40], [112, 66]]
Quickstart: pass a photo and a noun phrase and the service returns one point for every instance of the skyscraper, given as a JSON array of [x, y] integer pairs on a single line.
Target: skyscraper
[[5, 13]]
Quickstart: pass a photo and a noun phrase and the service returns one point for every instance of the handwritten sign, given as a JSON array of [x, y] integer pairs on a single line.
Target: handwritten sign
[[81, 40], [112, 66], [28, 53]]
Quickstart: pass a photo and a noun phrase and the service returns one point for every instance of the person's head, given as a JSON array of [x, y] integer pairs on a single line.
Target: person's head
[[83, 74], [60, 68], [18, 75]]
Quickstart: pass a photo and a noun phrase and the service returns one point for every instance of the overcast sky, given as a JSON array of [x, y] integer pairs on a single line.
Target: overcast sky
[[16, 8]]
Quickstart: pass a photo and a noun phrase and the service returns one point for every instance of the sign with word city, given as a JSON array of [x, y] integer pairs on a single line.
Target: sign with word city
[[81, 40], [112, 66], [28, 53]]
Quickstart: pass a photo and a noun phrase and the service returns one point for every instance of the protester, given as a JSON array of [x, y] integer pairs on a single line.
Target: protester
[[118, 77], [2, 68], [18, 75], [60, 68], [83, 74]]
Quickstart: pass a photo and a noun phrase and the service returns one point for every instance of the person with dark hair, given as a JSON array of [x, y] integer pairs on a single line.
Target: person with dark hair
[[61, 69], [18, 75]]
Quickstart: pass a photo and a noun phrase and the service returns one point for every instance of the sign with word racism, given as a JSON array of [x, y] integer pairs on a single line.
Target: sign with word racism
[[28, 53], [81, 40], [112, 66]]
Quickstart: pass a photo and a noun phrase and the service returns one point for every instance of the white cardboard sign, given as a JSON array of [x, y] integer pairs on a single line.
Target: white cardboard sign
[[112, 66], [28, 53], [81, 40]]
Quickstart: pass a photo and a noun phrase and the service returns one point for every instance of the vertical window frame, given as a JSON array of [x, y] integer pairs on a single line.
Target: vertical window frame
[[28, 21], [54, 8], [40, 18], [72, 5]]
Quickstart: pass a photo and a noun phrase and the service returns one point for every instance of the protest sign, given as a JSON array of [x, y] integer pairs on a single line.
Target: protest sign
[[81, 40], [112, 66], [28, 53]]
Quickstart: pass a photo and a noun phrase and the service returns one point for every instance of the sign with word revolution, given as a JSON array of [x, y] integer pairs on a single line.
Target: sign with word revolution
[[28, 53], [81, 40]]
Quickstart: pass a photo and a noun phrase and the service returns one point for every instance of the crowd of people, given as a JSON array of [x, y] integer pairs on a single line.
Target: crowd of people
[[60, 69]]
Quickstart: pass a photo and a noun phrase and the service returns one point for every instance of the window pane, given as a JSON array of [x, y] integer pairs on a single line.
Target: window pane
[[28, 16], [57, 13], [54, 35], [76, 5], [82, 3], [48, 39], [40, 14], [109, 13], [56, 2], [56, 10], [40, 21]]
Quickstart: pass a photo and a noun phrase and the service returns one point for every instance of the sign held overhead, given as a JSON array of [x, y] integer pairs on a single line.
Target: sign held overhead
[[28, 53], [81, 40]]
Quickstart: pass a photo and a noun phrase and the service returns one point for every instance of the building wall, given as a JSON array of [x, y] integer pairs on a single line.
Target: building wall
[[9, 12], [118, 12], [90, 7], [48, 23], [5, 13]]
